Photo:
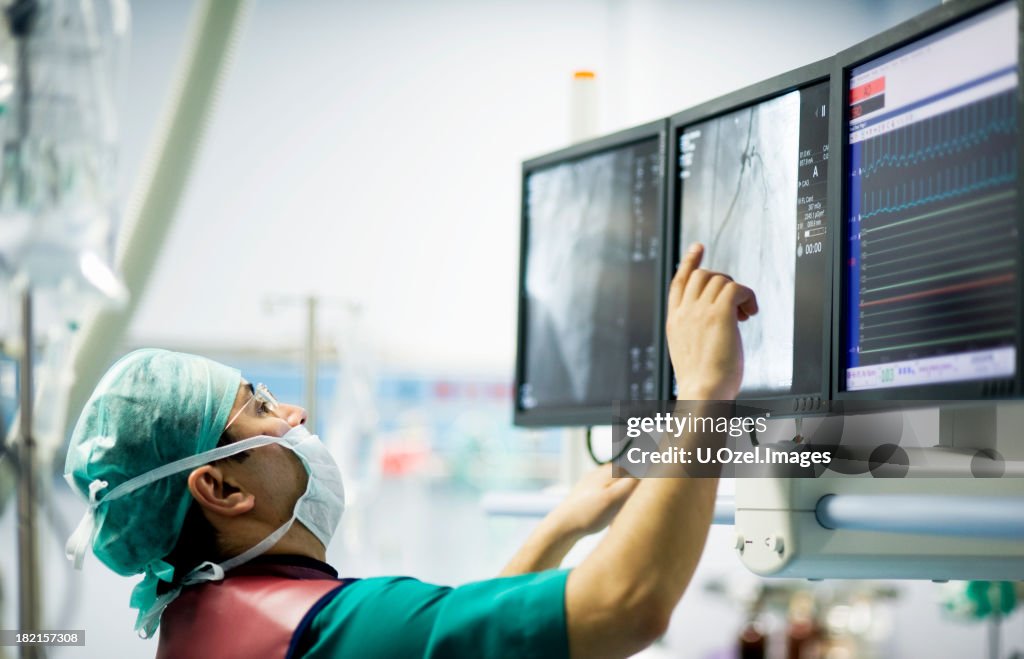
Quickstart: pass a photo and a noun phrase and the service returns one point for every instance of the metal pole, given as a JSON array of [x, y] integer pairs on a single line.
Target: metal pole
[[999, 518], [311, 362], [21, 16], [539, 504], [28, 568]]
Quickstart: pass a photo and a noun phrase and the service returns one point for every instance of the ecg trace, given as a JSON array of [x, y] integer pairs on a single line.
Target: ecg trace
[[937, 227], [944, 135]]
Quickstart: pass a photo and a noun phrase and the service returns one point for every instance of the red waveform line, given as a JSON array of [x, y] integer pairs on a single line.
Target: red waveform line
[[953, 288]]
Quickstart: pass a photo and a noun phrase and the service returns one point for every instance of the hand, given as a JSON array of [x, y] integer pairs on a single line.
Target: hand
[[588, 508], [592, 504], [704, 343]]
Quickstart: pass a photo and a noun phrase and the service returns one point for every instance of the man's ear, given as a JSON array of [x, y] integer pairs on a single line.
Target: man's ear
[[210, 488]]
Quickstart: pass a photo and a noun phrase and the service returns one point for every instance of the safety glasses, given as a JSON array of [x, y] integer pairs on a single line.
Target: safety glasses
[[265, 403]]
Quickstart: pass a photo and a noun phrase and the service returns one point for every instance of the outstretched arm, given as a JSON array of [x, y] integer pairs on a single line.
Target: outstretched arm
[[620, 598], [588, 508]]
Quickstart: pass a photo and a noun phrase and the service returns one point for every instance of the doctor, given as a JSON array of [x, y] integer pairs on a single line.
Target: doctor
[[216, 493]]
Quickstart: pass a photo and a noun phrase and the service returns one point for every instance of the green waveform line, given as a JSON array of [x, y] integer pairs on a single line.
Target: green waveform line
[[920, 331], [935, 342], [989, 236], [1003, 212]]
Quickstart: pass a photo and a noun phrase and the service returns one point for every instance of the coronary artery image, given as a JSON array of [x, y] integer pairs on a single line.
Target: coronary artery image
[[738, 197]]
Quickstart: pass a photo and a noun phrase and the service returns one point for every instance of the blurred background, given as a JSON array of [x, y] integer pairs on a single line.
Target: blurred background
[[366, 156]]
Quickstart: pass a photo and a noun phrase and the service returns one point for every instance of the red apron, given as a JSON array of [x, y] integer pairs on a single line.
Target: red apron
[[255, 611]]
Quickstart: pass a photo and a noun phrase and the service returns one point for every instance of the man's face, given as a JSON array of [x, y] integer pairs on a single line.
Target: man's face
[[273, 473]]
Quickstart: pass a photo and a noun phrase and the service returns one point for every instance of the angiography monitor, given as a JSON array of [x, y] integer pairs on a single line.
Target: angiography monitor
[[750, 181], [590, 278]]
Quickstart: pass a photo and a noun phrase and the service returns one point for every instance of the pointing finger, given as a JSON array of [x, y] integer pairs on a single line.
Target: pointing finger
[[690, 262]]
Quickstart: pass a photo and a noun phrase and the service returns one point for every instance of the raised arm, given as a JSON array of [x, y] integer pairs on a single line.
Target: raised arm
[[588, 508], [621, 597]]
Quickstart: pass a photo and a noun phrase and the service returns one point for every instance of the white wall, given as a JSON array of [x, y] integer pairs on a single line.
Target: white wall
[[665, 56], [370, 151]]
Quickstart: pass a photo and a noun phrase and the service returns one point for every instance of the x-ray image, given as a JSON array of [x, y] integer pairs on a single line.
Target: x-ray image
[[581, 270], [739, 192]]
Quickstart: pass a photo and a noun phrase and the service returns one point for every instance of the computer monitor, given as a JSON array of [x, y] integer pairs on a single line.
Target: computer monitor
[[591, 252], [749, 179], [929, 260]]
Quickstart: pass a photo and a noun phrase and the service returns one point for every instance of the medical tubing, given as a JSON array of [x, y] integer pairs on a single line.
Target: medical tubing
[[959, 516], [593, 456]]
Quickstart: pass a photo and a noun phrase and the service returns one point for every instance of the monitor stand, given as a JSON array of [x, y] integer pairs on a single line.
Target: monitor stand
[[973, 459]]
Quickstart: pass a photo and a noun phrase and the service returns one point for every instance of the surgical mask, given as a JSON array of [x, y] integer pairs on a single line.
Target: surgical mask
[[319, 508]]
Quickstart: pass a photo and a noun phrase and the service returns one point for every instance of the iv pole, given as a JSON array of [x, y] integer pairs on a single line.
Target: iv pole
[[212, 36], [28, 551], [21, 16]]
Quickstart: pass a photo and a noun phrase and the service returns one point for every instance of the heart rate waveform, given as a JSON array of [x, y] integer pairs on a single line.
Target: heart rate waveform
[[943, 136], [936, 222]]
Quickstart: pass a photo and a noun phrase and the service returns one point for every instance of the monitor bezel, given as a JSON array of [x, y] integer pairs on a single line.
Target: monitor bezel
[[785, 404], [897, 37], [584, 415]]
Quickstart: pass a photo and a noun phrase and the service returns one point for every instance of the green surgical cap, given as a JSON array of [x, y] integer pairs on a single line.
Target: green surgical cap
[[151, 408]]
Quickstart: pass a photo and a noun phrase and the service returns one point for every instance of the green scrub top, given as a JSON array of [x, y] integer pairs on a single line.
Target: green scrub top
[[521, 616]]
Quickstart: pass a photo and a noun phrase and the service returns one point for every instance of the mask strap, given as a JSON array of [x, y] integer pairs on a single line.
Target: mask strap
[[260, 547], [192, 461], [209, 571], [205, 571], [85, 533]]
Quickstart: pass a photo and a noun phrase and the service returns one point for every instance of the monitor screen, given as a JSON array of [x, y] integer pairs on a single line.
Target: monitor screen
[[752, 188], [931, 239], [591, 279]]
